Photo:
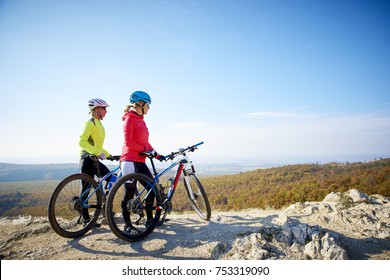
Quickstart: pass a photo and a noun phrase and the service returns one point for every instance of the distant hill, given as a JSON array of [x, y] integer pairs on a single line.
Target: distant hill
[[25, 189], [36, 172], [281, 186], [32, 172]]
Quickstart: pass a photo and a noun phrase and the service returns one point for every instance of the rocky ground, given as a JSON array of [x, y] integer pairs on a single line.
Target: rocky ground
[[342, 226]]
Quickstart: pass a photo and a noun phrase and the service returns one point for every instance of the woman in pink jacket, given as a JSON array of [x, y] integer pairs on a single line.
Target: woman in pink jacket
[[136, 142]]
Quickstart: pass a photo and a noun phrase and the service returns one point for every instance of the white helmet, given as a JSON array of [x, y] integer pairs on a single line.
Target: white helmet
[[96, 102]]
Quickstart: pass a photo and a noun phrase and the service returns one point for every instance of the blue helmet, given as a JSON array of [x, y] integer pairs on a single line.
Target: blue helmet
[[140, 96]]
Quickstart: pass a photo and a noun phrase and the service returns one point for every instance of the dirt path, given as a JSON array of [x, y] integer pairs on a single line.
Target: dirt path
[[184, 237]]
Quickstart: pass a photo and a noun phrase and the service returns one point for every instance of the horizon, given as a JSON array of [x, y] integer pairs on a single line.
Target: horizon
[[208, 169], [254, 80], [250, 163]]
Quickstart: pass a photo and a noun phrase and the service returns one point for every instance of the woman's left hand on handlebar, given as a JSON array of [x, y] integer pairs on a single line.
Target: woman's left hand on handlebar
[[153, 154]]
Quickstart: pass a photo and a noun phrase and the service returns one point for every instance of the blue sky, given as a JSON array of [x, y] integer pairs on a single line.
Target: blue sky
[[257, 81]]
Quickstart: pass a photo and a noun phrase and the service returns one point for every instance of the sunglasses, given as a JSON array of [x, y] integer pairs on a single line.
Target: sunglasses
[[143, 105]]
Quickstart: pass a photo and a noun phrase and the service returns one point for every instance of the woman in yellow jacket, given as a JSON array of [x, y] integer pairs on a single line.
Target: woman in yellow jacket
[[91, 143]]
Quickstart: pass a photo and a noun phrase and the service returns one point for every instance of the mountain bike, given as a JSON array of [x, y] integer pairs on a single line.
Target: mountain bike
[[137, 203], [73, 212]]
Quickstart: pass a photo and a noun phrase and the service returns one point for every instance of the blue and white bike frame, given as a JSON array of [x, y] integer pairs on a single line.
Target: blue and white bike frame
[[185, 166]]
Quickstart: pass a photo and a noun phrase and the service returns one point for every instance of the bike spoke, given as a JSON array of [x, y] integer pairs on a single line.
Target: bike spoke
[[132, 207], [69, 215]]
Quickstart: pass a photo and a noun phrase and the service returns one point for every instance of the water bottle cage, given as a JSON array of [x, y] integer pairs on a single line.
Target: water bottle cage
[[111, 183]]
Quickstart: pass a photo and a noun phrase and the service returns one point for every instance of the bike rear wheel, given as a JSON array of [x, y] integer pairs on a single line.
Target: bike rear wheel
[[67, 210], [197, 196], [133, 207]]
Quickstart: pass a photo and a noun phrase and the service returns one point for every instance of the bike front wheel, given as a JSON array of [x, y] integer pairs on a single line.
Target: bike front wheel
[[133, 207], [197, 196], [70, 214]]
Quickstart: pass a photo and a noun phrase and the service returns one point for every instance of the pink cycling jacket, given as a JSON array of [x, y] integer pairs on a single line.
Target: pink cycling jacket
[[136, 136]]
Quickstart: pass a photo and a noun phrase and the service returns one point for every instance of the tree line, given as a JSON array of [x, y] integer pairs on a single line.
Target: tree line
[[276, 187], [282, 186]]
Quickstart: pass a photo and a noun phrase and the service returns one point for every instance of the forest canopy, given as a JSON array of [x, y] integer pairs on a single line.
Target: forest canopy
[[276, 187]]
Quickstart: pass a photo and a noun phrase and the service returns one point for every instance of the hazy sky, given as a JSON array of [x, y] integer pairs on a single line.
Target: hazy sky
[[261, 80]]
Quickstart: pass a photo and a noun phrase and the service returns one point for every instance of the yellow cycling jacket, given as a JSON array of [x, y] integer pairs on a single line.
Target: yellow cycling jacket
[[92, 138]]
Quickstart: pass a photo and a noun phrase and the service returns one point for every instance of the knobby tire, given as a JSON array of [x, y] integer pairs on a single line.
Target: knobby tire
[[200, 203], [135, 207], [64, 209]]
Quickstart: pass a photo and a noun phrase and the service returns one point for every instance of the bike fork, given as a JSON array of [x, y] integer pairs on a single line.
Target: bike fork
[[167, 202]]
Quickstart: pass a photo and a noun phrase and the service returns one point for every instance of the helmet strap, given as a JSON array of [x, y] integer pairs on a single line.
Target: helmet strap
[[142, 107], [96, 114]]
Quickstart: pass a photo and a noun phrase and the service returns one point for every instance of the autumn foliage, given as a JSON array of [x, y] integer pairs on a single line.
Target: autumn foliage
[[262, 188], [281, 186]]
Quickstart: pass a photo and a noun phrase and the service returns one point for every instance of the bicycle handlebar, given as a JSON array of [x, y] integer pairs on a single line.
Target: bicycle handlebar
[[112, 158], [170, 156], [96, 159], [182, 151]]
